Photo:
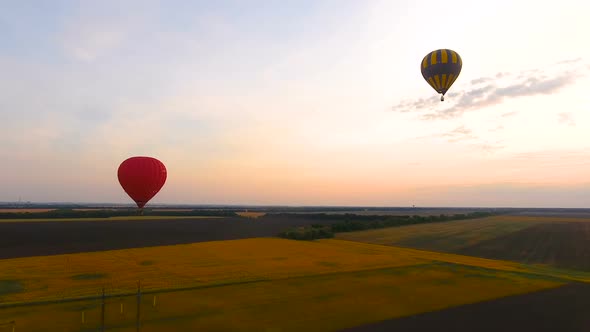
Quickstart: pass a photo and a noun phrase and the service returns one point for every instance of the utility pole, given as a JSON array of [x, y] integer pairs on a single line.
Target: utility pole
[[12, 323], [137, 324], [102, 307]]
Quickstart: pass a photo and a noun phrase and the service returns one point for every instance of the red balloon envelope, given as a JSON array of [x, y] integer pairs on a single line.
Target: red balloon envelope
[[142, 178]]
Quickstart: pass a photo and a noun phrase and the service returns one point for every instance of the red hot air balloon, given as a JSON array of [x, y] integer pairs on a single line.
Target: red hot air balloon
[[142, 178]]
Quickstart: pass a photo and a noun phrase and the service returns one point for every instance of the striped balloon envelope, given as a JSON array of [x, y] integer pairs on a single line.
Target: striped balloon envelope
[[440, 69]]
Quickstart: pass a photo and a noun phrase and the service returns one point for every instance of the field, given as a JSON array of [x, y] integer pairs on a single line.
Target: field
[[34, 210], [562, 309], [251, 214], [565, 245], [260, 284], [445, 236], [203, 264], [396, 212], [214, 263], [554, 241], [231, 274], [49, 237], [107, 219]]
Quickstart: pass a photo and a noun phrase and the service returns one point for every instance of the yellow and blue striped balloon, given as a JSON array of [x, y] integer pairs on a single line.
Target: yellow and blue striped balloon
[[440, 69]]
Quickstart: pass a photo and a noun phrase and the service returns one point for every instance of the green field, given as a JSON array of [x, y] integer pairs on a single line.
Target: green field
[[446, 237], [551, 241]]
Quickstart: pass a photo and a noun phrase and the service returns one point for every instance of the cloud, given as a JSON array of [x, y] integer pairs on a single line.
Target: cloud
[[505, 115], [488, 147], [567, 119], [460, 133], [481, 80], [570, 61], [488, 91], [464, 134], [498, 128]]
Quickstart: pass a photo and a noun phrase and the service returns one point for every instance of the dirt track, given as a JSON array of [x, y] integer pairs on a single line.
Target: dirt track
[[51, 238], [564, 309]]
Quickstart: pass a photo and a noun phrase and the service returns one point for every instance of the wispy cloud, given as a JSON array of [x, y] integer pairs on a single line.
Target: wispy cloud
[[464, 135], [458, 134], [488, 91], [488, 147], [505, 115], [567, 119], [496, 129]]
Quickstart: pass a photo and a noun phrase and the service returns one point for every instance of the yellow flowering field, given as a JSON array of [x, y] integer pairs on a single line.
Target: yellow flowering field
[[198, 264], [322, 302], [215, 263], [251, 214]]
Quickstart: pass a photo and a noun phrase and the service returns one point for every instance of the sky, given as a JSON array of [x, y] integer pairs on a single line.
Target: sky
[[296, 102]]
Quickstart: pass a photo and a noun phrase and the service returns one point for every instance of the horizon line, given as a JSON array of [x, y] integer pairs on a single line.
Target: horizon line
[[202, 205]]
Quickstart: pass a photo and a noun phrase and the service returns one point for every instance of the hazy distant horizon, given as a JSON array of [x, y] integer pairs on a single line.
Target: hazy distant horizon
[[205, 205]]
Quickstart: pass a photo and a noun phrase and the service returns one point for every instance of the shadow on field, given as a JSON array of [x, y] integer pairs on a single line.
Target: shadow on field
[[565, 309], [22, 239]]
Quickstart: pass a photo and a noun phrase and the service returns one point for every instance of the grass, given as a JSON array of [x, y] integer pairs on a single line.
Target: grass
[[89, 276], [10, 287], [317, 302], [146, 263], [125, 218]]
